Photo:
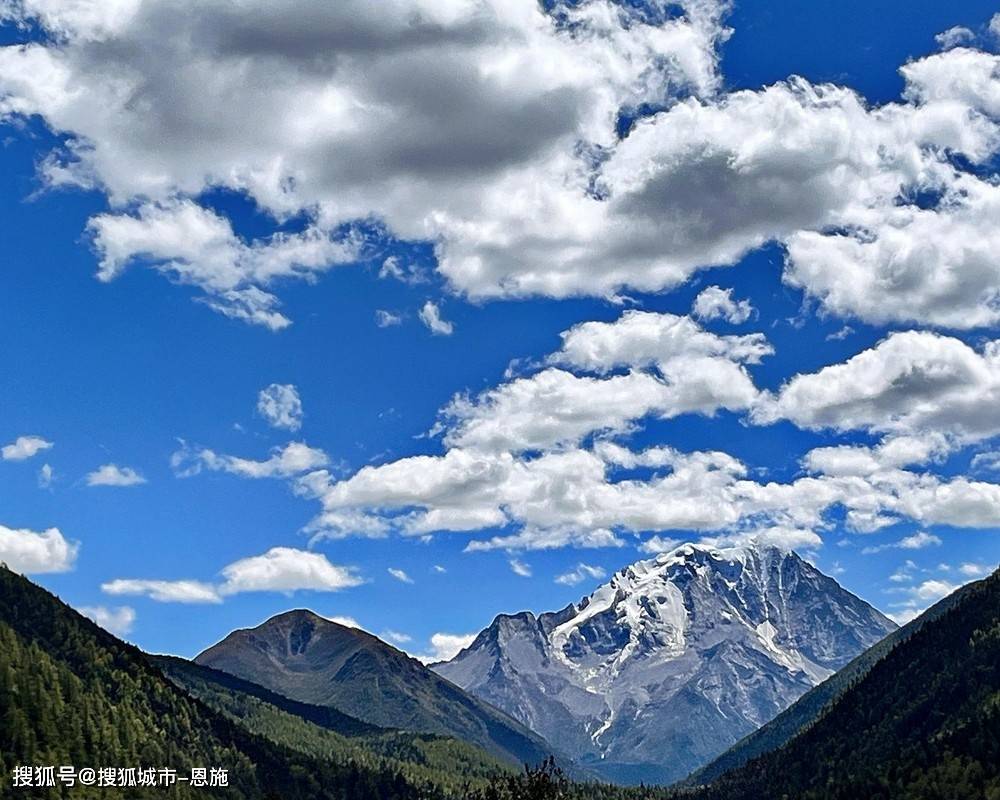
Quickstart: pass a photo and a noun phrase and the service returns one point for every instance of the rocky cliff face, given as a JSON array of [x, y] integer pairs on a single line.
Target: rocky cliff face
[[672, 660]]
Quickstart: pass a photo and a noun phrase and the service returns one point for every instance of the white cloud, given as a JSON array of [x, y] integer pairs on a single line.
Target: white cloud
[[292, 459], [917, 541], [430, 315], [24, 447], [970, 570], [986, 462], [910, 382], [904, 574], [285, 569], [953, 37], [33, 553], [917, 598], [281, 406], [904, 616], [439, 569], [714, 302], [572, 497], [386, 319], [995, 25], [280, 569], [396, 637], [182, 591], [581, 573], [347, 622], [113, 475], [46, 476], [840, 334], [891, 453], [196, 246], [659, 544], [445, 646], [520, 568], [675, 367], [337, 111], [118, 620], [519, 179], [400, 575]]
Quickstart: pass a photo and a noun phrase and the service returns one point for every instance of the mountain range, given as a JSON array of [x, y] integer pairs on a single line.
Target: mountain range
[[308, 658], [914, 717], [671, 661]]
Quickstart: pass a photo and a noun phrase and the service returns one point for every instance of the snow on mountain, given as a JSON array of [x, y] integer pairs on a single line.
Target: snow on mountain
[[672, 660]]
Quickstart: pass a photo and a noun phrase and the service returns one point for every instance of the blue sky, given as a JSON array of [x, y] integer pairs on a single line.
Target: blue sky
[[142, 371]]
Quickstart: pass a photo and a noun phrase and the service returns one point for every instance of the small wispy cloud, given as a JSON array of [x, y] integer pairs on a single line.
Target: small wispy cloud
[[520, 568], [400, 575], [580, 574]]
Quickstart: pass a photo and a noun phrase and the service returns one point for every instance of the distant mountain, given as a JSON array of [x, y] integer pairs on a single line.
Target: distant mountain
[[922, 723], [808, 708], [673, 660], [73, 694], [308, 658]]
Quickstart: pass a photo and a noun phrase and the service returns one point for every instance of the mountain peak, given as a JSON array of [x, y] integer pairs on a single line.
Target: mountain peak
[[683, 652]]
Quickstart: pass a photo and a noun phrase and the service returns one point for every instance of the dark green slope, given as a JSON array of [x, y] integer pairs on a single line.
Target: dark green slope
[[308, 658], [804, 711], [922, 724], [323, 732], [71, 693]]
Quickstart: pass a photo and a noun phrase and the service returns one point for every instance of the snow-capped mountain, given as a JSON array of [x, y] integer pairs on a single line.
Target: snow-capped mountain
[[672, 660]]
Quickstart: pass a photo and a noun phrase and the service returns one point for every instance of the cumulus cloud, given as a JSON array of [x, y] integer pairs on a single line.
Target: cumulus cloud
[[659, 544], [424, 114], [445, 646], [285, 569], [430, 315], [113, 475], [181, 591], [292, 459], [24, 447], [717, 303], [281, 406], [971, 570], [953, 37], [280, 569], [579, 574], [400, 575], [517, 174], [33, 553], [919, 598], [674, 367], [118, 620], [910, 382]]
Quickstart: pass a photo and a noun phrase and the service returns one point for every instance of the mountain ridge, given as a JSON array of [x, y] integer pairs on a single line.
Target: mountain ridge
[[681, 654], [308, 658], [923, 723]]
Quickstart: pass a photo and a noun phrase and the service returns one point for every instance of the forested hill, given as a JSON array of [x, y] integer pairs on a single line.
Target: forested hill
[[808, 708], [923, 724], [70, 693]]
